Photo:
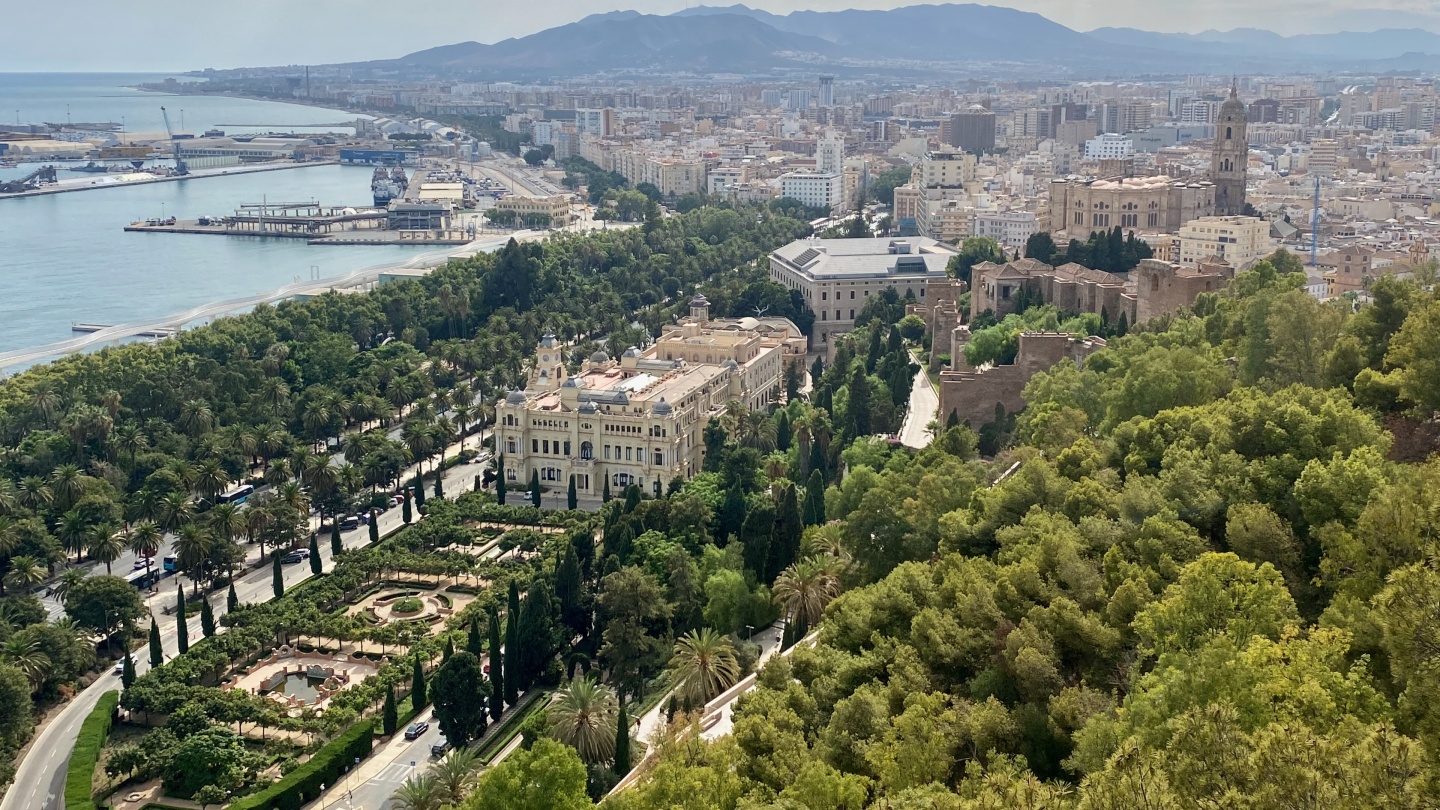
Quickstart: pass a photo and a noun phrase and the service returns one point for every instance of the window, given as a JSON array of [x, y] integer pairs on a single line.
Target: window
[[837, 314], [824, 296], [510, 446], [1005, 293], [509, 473], [627, 454], [1227, 133], [607, 451], [852, 295], [824, 315], [545, 446], [659, 459], [852, 314], [586, 451], [567, 448], [534, 445]]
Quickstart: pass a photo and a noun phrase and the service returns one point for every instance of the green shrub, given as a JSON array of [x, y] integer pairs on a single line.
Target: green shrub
[[79, 781], [303, 784], [409, 604]]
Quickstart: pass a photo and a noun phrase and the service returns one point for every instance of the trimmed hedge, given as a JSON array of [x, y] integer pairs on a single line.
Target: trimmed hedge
[[80, 779], [303, 784]]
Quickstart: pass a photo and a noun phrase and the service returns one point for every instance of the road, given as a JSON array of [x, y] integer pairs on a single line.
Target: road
[[924, 409], [40, 779]]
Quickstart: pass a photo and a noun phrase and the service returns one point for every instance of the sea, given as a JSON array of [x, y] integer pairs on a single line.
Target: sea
[[65, 258]]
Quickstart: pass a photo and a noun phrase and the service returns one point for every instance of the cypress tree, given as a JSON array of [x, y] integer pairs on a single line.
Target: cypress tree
[[207, 618], [440, 484], [182, 628], [277, 577], [567, 591], [582, 541], [500, 480], [418, 697], [953, 420], [419, 492], [618, 541], [572, 499], [497, 670], [231, 600], [535, 488], [157, 652], [817, 460], [405, 513], [127, 675], [674, 487], [785, 542], [732, 513], [815, 499], [857, 413], [449, 650], [622, 742], [606, 496], [374, 528], [894, 343], [1123, 327], [783, 433], [633, 496], [816, 369], [476, 487], [872, 353], [472, 641], [315, 565], [390, 717], [336, 545], [537, 623], [755, 537], [512, 645]]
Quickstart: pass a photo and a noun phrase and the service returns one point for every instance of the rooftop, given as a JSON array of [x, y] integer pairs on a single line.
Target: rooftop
[[867, 258]]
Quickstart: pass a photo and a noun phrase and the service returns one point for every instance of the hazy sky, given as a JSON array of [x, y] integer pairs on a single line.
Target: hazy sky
[[91, 35]]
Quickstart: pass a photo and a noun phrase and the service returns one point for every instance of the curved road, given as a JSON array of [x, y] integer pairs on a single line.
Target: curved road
[[350, 279]]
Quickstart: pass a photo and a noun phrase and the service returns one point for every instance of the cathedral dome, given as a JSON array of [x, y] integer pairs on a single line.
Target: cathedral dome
[[1233, 107]]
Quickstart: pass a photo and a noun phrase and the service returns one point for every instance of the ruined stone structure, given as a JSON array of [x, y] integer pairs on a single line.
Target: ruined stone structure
[[972, 393], [1162, 287], [942, 314], [1071, 287]]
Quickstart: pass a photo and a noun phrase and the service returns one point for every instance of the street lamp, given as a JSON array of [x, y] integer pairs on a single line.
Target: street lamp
[[749, 631]]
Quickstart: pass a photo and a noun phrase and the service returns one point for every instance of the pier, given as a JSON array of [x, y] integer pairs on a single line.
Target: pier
[[86, 183], [90, 328]]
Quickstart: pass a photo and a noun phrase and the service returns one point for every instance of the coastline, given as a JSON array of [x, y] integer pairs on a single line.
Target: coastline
[[247, 97], [228, 171]]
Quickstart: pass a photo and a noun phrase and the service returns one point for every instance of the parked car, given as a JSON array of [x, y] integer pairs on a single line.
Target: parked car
[[416, 729], [439, 748], [119, 667], [349, 523], [294, 557]]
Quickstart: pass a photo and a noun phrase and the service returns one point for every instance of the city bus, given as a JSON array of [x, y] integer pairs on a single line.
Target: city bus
[[238, 494]]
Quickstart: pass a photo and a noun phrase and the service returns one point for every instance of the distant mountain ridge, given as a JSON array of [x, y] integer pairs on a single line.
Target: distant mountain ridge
[[1386, 43]]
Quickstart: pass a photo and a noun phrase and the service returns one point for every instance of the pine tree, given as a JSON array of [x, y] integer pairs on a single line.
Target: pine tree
[[182, 628], [815, 499], [374, 528], [405, 513], [440, 484], [497, 670], [535, 488], [277, 577], [127, 674], [231, 600], [572, 499], [315, 565], [207, 618], [622, 742], [390, 717], [512, 645], [157, 652], [472, 640], [785, 542], [500, 480], [417, 685], [336, 545]]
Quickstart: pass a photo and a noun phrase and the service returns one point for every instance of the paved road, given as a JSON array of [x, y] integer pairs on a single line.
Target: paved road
[[924, 408], [40, 780]]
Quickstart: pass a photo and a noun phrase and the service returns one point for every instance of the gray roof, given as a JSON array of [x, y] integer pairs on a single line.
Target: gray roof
[[661, 408], [515, 398], [866, 258], [599, 357], [548, 341], [588, 407], [631, 352]]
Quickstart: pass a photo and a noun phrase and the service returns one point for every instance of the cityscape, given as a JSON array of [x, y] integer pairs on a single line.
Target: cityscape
[[800, 406]]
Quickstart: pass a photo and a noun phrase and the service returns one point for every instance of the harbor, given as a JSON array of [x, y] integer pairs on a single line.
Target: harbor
[[90, 182]]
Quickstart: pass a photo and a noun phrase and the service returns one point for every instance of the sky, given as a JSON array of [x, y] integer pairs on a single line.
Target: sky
[[89, 36]]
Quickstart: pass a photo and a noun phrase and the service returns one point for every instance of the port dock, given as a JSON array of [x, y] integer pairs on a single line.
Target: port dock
[[156, 332]]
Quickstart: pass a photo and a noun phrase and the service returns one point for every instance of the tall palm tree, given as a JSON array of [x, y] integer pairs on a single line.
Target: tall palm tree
[[25, 655], [211, 479], [257, 522], [582, 715], [67, 583], [105, 544], [192, 546], [130, 440], [805, 588], [145, 540], [422, 792], [456, 773], [704, 664], [418, 439], [68, 483], [196, 417], [74, 533], [176, 510], [34, 493], [462, 421], [25, 573], [45, 402]]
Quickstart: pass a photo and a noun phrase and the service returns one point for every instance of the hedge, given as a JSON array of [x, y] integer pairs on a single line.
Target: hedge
[[303, 784], [80, 779]]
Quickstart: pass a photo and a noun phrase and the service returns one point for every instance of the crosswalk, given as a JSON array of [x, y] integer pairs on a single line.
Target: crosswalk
[[395, 772]]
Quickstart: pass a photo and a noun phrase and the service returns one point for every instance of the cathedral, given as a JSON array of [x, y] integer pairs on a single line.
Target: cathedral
[[1230, 158]]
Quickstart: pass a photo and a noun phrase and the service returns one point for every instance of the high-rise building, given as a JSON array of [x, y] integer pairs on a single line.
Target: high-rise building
[[830, 153], [799, 98], [595, 122], [771, 98], [827, 91], [973, 130], [1231, 157]]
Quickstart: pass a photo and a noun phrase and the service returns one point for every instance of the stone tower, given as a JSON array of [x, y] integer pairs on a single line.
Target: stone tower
[[1231, 156]]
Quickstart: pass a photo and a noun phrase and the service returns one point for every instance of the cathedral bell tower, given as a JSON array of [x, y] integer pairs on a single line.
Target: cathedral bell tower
[[1230, 158]]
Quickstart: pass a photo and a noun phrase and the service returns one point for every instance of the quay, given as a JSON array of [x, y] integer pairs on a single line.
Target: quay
[[143, 178], [300, 220], [157, 332]]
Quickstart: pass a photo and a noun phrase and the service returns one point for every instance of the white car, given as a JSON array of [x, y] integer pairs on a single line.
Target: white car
[[119, 667]]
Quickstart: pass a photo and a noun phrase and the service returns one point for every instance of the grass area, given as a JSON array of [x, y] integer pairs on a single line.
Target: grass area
[[80, 778]]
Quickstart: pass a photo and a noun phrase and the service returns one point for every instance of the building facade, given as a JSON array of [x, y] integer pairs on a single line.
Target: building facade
[[1012, 229], [1231, 158], [814, 190], [1150, 203], [1238, 241]]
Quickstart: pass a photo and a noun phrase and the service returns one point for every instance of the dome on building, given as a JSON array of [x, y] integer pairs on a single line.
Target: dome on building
[[631, 352], [588, 407], [699, 301], [600, 357], [730, 364], [1233, 106], [571, 382], [548, 341], [662, 408], [515, 398]]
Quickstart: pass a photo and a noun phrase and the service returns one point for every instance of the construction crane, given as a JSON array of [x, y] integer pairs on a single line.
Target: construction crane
[[180, 168]]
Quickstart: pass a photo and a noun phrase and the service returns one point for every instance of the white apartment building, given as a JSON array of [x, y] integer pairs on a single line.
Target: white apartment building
[[1109, 145], [542, 133], [835, 276], [600, 123], [1010, 228], [725, 179], [830, 153], [814, 190], [1240, 241], [946, 169]]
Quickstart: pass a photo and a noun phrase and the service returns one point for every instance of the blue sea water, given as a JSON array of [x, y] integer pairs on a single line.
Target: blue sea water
[[65, 257]]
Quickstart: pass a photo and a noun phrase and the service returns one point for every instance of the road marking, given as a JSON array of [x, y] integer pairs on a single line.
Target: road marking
[[394, 772]]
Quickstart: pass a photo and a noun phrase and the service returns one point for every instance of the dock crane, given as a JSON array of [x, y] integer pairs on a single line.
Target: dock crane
[[180, 168]]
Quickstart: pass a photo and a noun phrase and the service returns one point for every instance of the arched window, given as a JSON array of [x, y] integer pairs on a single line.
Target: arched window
[[587, 451], [1227, 133], [1154, 284]]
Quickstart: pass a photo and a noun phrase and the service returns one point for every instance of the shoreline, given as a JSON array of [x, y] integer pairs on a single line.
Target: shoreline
[[298, 102], [228, 171]]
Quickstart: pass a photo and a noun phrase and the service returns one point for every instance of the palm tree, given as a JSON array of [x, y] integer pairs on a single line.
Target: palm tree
[[192, 546], [68, 484], [257, 522], [145, 540], [25, 573], [758, 431], [462, 421], [582, 715], [211, 479], [456, 774], [129, 439], [196, 417], [106, 544], [45, 402], [67, 583], [704, 665], [9, 497], [423, 792], [25, 655], [804, 589], [34, 492], [74, 533], [419, 440], [176, 510]]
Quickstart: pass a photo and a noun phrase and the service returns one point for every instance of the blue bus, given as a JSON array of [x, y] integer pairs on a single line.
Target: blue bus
[[238, 494], [170, 564]]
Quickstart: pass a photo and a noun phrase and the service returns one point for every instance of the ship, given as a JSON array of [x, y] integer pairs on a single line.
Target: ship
[[386, 186], [92, 167]]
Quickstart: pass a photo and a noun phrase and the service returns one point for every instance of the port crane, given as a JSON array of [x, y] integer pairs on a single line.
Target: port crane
[[30, 182], [180, 168]]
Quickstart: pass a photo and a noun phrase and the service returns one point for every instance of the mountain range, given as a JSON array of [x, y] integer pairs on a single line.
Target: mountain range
[[743, 40]]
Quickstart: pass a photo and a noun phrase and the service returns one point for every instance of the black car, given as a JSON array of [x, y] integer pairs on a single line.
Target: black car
[[416, 729], [439, 748]]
